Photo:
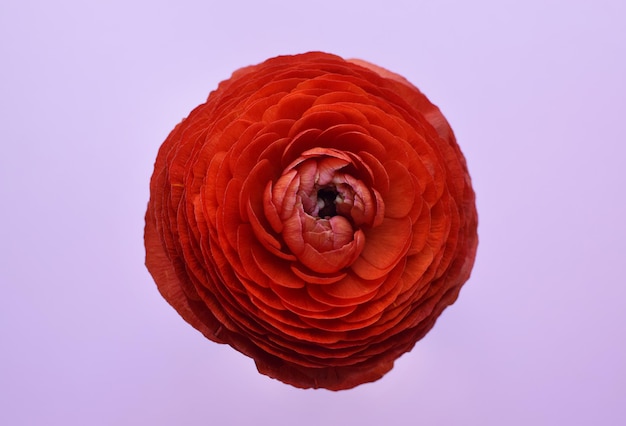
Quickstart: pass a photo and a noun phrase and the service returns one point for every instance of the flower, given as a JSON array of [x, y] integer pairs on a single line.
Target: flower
[[315, 214]]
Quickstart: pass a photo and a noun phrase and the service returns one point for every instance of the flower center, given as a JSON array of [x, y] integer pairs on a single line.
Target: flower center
[[319, 206], [326, 202]]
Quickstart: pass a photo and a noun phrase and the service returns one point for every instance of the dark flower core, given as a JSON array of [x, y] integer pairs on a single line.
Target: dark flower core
[[326, 200]]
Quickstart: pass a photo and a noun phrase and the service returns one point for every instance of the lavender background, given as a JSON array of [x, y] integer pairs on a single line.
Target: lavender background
[[536, 93]]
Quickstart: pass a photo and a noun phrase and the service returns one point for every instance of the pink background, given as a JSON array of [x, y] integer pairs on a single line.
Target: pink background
[[536, 93]]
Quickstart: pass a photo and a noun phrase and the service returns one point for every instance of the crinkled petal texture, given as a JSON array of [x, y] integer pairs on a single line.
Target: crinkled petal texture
[[316, 214]]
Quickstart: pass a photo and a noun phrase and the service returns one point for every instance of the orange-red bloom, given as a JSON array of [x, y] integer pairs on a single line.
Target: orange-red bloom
[[316, 214]]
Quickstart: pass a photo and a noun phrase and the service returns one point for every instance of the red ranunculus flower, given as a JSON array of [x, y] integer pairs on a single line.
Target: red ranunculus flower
[[316, 214]]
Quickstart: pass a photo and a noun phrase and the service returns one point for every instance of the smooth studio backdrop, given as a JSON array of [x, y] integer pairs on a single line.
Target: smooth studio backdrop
[[536, 93]]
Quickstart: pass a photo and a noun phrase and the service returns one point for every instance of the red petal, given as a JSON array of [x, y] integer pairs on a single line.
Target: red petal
[[353, 287], [276, 269], [400, 198], [291, 106], [312, 277], [384, 247]]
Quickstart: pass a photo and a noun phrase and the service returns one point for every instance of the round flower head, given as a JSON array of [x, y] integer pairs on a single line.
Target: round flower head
[[315, 214]]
